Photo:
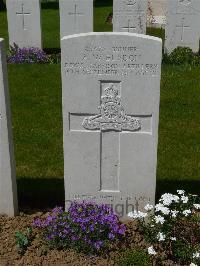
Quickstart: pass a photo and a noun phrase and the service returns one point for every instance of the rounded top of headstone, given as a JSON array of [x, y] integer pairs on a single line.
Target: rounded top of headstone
[[142, 36]]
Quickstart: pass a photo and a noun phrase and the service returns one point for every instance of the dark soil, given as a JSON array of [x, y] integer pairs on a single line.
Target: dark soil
[[38, 254]]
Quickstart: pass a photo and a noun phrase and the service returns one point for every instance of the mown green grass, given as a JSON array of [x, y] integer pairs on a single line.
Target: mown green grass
[[37, 120]]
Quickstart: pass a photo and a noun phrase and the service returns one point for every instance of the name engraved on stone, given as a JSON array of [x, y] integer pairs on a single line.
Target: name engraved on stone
[[115, 61], [23, 14]]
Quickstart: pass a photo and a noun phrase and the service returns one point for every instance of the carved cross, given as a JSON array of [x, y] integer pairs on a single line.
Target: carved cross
[[129, 28], [75, 14], [23, 14], [182, 27], [112, 121]]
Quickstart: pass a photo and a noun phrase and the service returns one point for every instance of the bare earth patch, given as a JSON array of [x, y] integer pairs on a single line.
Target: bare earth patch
[[38, 254]]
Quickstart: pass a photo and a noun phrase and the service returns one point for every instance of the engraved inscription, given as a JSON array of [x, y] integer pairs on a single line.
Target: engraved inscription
[[113, 61], [185, 2], [112, 114], [121, 204]]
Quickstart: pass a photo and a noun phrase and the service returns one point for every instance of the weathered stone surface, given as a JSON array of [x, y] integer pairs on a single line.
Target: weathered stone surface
[[182, 27], [8, 189], [24, 23], [130, 16], [111, 88], [76, 16]]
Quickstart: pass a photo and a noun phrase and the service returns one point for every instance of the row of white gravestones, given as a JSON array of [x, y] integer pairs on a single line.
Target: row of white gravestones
[[182, 28], [110, 94], [76, 16], [8, 190], [130, 16], [24, 20]]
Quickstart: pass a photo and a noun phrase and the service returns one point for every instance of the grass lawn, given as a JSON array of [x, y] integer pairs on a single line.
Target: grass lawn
[[35, 92]]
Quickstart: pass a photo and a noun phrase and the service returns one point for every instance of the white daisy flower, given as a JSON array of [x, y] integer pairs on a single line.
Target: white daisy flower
[[159, 219], [161, 236], [162, 208], [151, 251], [137, 215], [180, 192], [148, 207], [197, 206], [174, 213], [184, 199], [196, 255], [186, 212]]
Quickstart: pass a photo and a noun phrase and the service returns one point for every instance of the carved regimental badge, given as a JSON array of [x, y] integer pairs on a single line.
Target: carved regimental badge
[[112, 115]]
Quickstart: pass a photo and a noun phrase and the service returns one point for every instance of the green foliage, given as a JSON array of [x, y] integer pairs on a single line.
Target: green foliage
[[182, 55], [174, 229], [23, 240], [134, 258], [54, 58]]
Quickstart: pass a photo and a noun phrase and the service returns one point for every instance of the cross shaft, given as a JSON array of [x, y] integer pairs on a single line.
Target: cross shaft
[[23, 14], [75, 14], [182, 27], [129, 28]]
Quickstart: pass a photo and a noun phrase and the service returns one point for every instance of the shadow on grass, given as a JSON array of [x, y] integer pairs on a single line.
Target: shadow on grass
[[50, 5], [170, 186], [44, 194], [41, 194], [52, 50], [102, 3]]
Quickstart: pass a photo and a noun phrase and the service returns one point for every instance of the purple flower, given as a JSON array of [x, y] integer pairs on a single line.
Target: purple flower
[[87, 226], [26, 55]]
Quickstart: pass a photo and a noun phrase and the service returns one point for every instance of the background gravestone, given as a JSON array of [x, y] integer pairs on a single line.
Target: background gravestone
[[130, 16], [8, 189], [24, 23], [111, 88], [182, 27], [76, 16]]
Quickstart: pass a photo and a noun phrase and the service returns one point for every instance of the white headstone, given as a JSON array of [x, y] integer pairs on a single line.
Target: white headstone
[[111, 88], [8, 188], [76, 16], [24, 23], [182, 27], [130, 16]]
